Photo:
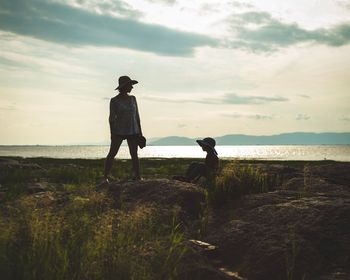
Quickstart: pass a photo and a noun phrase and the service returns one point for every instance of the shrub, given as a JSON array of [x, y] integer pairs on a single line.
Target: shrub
[[236, 180]]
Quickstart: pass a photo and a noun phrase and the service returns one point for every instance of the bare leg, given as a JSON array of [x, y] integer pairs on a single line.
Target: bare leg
[[132, 143], [113, 150]]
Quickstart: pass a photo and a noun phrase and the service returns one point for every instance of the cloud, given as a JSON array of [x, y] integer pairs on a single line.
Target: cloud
[[304, 96], [10, 63], [181, 125], [251, 99], [302, 117], [7, 108], [118, 7], [71, 26], [345, 118], [344, 3], [260, 117], [242, 5], [259, 31], [167, 2], [257, 117], [229, 98]]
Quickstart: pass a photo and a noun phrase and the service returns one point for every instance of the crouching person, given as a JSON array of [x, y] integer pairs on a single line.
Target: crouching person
[[208, 169]]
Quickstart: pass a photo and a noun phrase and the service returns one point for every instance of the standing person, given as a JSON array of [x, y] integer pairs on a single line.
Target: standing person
[[124, 123]]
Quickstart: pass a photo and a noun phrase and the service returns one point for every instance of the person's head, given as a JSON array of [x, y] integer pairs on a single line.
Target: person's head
[[208, 145], [125, 84]]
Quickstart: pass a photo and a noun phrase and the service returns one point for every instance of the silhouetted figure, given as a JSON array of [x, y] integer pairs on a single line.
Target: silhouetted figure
[[124, 122], [208, 169]]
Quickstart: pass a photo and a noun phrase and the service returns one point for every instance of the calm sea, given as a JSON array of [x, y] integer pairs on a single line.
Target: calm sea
[[271, 152]]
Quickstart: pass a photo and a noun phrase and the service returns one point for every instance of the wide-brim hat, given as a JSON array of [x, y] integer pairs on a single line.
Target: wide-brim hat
[[124, 81], [208, 142]]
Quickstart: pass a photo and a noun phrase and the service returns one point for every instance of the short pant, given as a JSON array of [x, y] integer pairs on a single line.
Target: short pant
[[124, 137]]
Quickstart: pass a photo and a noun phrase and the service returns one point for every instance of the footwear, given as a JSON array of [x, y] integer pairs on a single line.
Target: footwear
[[104, 183], [181, 178]]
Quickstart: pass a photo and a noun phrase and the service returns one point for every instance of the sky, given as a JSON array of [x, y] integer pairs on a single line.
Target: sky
[[204, 67]]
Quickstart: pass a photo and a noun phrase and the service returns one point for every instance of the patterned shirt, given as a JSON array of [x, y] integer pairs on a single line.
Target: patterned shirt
[[124, 116]]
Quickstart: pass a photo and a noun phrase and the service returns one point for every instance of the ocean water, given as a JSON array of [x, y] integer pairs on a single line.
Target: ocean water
[[270, 152]]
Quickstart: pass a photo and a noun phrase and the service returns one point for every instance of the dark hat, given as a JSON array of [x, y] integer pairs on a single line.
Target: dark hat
[[125, 80], [207, 142]]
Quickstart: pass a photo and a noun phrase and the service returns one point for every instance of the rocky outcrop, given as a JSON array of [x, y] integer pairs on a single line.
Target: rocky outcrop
[[335, 173], [9, 163], [300, 231], [36, 187], [165, 194]]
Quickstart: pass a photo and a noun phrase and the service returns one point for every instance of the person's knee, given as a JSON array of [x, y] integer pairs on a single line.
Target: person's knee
[[111, 155], [192, 166], [114, 148], [134, 155], [202, 168]]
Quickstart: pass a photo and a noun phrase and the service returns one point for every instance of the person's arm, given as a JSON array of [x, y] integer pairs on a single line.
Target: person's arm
[[138, 116], [212, 162], [196, 179], [111, 118], [216, 164]]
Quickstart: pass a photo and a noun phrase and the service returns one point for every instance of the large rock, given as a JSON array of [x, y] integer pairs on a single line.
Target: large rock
[[165, 194], [9, 163], [282, 171], [2, 196], [288, 234], [36, 187], [336, 173]]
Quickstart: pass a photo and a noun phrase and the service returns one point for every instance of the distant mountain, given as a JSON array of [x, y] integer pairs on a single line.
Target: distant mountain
[[172, 141], [295, 138]]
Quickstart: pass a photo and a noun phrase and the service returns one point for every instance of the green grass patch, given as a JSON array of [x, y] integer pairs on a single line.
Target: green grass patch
[[84, 236], [88, 239], [235, 180]]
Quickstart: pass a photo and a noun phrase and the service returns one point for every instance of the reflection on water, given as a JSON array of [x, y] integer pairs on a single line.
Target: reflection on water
[[297, 152], [288, 152]]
